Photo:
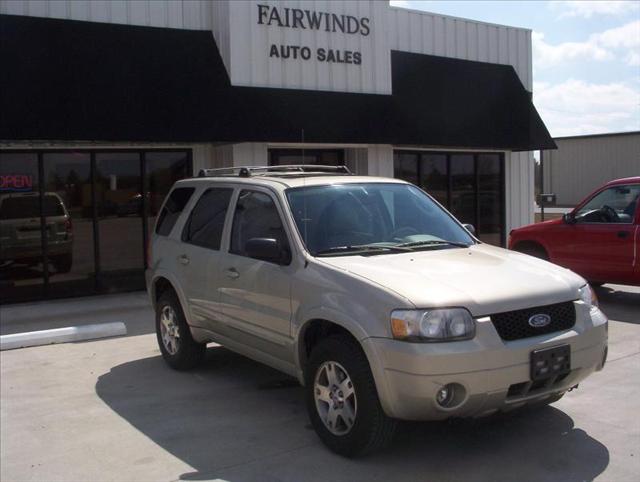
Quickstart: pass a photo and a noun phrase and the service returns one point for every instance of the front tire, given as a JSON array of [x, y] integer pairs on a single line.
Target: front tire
[[177, 346], [342, 400]]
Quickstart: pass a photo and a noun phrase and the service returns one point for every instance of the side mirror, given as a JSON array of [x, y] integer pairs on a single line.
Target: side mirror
[[267, 249], [569, 218], [470, 228]]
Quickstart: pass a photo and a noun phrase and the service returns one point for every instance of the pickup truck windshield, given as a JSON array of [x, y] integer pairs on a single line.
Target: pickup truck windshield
[[345, 218]]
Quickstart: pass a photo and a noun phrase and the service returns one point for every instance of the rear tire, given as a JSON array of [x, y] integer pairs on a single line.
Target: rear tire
[[178, 347], [364, 427], [534, 250]]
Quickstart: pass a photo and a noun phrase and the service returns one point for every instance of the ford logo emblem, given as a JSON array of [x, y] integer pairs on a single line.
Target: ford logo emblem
[[539, 321]]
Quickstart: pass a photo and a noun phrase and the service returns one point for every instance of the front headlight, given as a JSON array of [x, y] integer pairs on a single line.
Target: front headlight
[[588, 296], [432, 325]]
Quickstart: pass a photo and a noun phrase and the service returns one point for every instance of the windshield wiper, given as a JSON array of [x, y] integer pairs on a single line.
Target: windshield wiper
[[432, 242], [367, 248]]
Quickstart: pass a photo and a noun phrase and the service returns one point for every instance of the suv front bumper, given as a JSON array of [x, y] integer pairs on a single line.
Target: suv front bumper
[[494, 374]]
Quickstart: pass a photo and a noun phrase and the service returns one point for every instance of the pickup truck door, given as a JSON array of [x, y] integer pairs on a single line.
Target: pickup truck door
[[255, 295], [600, 244]]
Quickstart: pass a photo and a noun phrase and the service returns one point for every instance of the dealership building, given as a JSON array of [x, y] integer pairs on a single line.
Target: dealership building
[[104, 104]]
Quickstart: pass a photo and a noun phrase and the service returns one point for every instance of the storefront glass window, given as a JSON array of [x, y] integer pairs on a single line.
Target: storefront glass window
[[463, 188], [97, 211], [434, 176], [490, 198], [406, 167], [324, 157], [70, 246], [469, 185], [21, 248], [119, 205]]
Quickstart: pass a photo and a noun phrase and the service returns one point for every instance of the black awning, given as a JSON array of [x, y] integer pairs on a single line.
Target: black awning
[[81, 81]]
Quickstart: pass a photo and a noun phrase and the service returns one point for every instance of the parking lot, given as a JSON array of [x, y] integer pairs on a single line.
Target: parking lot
[[112, 410]]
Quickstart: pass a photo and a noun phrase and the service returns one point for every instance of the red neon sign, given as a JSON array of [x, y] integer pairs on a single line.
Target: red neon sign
[[16, 182]]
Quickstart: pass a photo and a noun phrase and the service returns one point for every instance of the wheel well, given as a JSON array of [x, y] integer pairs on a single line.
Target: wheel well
[[160, 286], [316, 330], [528, 247]]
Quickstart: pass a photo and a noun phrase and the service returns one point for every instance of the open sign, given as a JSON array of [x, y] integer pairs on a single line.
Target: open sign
[[16, 182]]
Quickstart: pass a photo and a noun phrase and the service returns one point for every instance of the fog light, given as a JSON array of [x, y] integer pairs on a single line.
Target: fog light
[[445, 395]]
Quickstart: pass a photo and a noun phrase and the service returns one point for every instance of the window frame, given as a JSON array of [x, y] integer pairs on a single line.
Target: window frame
[[281, 214]]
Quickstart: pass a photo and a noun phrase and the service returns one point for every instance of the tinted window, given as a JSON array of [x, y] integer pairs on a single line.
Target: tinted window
[[206, 222], [178, 199], [29, 207], [256, 216]]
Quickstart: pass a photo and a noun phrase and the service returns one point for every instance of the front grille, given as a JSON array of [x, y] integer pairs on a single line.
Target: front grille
[[514, 325]]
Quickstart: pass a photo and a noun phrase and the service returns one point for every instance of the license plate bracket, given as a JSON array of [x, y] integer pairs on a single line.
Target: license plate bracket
[[550, 362]]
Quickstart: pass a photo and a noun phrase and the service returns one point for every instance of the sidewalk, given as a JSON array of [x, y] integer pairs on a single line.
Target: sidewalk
[[133, 309]]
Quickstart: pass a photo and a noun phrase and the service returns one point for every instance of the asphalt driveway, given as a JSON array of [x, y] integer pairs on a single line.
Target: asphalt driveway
[[112, 410]]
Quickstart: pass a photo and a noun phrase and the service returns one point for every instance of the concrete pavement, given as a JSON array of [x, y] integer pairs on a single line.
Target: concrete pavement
[[112, 410]]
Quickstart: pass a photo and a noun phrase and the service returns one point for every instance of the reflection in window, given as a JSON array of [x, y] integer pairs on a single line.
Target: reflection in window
[[70, 245], [119, 204], [21, 254], [463, 188]]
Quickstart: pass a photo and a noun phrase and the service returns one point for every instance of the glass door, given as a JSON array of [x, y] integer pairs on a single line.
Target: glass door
[[119, 208], [22, 268]]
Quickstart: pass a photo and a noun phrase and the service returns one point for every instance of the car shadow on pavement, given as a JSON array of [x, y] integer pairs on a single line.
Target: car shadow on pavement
[[620, 305], [238, 420]]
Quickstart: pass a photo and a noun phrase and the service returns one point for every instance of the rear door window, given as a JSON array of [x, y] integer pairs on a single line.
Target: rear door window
[[206, 223], [172, 209]]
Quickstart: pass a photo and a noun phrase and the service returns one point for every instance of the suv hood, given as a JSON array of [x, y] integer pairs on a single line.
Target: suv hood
[[482, 278]]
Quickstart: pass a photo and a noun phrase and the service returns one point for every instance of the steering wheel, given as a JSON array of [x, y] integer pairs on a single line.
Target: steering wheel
[[404, 232], [610, 213]]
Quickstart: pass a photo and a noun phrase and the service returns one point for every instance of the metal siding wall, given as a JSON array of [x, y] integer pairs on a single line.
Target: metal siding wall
[[428, 33], [581, 165], [188, 14]]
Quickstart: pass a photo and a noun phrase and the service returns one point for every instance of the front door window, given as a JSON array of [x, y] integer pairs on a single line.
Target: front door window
[[613, 205]]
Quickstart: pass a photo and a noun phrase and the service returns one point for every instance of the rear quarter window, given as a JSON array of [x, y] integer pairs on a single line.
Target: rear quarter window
[[172, 209]]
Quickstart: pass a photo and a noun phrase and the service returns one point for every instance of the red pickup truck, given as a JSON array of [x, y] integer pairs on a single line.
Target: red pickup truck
[[599, 239]]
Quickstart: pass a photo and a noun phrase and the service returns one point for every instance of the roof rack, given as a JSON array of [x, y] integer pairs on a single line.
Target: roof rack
[[250, 171]]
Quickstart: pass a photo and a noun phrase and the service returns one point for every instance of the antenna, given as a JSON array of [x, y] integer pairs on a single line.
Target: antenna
[[304, 198]]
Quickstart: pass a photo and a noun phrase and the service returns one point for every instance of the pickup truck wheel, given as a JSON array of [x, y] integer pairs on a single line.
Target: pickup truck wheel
[[342, 399], [177, 345], [534, 250]]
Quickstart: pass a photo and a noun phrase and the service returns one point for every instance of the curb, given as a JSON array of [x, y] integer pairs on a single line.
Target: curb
[[62, 335]]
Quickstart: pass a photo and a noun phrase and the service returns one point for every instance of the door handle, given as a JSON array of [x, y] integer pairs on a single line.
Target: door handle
[[623, 234], [184, 259], [232, 273]]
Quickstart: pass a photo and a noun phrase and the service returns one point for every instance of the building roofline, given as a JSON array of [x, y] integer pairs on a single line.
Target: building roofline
[[604, 134], [453, 17]]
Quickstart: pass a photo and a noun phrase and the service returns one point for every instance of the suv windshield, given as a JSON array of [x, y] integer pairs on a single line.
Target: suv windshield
[[363, 217]]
